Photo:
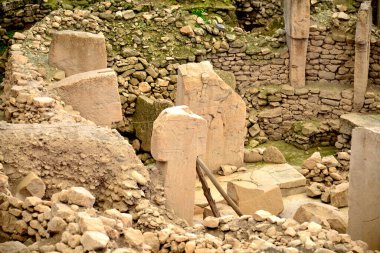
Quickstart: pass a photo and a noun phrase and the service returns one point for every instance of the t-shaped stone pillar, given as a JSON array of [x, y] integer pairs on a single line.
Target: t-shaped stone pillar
[[297, 25], [178, 138], [362, 52]]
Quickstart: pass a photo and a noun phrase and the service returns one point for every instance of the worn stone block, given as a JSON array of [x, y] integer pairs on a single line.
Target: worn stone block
[[76, 52], [94, 94], [251, 198], [147, 111]]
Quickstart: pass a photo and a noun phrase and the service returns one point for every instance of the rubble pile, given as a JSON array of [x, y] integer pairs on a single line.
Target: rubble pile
[[69, 222]]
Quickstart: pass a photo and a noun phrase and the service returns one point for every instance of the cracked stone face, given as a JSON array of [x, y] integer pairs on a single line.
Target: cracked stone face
[[207, 95]]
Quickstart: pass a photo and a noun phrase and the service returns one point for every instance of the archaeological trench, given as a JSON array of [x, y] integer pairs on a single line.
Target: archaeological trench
[[189, 126]]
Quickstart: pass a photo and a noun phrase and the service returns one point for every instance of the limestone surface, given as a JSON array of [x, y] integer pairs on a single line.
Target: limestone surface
[[76, 52], [322, 214], [209, 96], [362, 53], [94, 94], [364, 189], [251, 198], [147, 111], [178, 138]]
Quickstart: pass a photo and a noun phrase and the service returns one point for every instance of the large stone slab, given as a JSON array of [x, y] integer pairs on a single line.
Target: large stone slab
[[351, 120], [285, 176], [76, 52], [178, 138], [209, 96], [147, 111], [250, 198], [362, 52], [65, 155], [94, 94], [364, 188]]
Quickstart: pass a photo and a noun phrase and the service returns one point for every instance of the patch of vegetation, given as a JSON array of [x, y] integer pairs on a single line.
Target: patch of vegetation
[[200, 12], [295, 156]]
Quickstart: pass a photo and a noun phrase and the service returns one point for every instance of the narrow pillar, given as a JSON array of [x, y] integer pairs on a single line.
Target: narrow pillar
[[178, 138], [362, 50], [364, 189], [297, 25]]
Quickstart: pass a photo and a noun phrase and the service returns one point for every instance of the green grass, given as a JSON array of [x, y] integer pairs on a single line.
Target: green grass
[[295, 156]]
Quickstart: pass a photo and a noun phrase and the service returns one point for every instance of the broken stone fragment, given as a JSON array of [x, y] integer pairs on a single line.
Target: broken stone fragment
[[187, 31], [273, 155], [226, 170], [13, 247], [251, 198], [133, 237], [312, 161], [93, 240], [339, 195], [314, 190], [252, 156], [323, 214], [31, 185], [210, 222], [56, 225], [80, 196]]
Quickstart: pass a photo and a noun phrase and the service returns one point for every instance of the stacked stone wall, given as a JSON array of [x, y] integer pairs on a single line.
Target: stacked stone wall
[[330, 57], [258, 13]]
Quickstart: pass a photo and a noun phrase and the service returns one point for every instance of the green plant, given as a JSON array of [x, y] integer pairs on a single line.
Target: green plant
[[200, 12]]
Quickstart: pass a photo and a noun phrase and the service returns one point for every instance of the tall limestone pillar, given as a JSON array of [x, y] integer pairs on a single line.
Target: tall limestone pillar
[[364, 189], [207, 95], [297, 25], [362, 50], [178, 138]]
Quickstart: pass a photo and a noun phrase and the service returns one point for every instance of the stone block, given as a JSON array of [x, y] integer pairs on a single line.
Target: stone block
[[339, 195], [285, 176], [178, 138], [76, 52], [209, 96], [31, 185], [364, 189], [251, 198], [147, 111], [322, 214], [94, 94]]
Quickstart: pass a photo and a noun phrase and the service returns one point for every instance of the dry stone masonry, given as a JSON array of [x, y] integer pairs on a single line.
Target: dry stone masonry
[[241, 72]]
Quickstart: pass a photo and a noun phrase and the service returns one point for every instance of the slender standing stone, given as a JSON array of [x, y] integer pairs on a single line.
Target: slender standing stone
[[209, 96], [297, 24], [362, 52], [364, 188], [178, 138]]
